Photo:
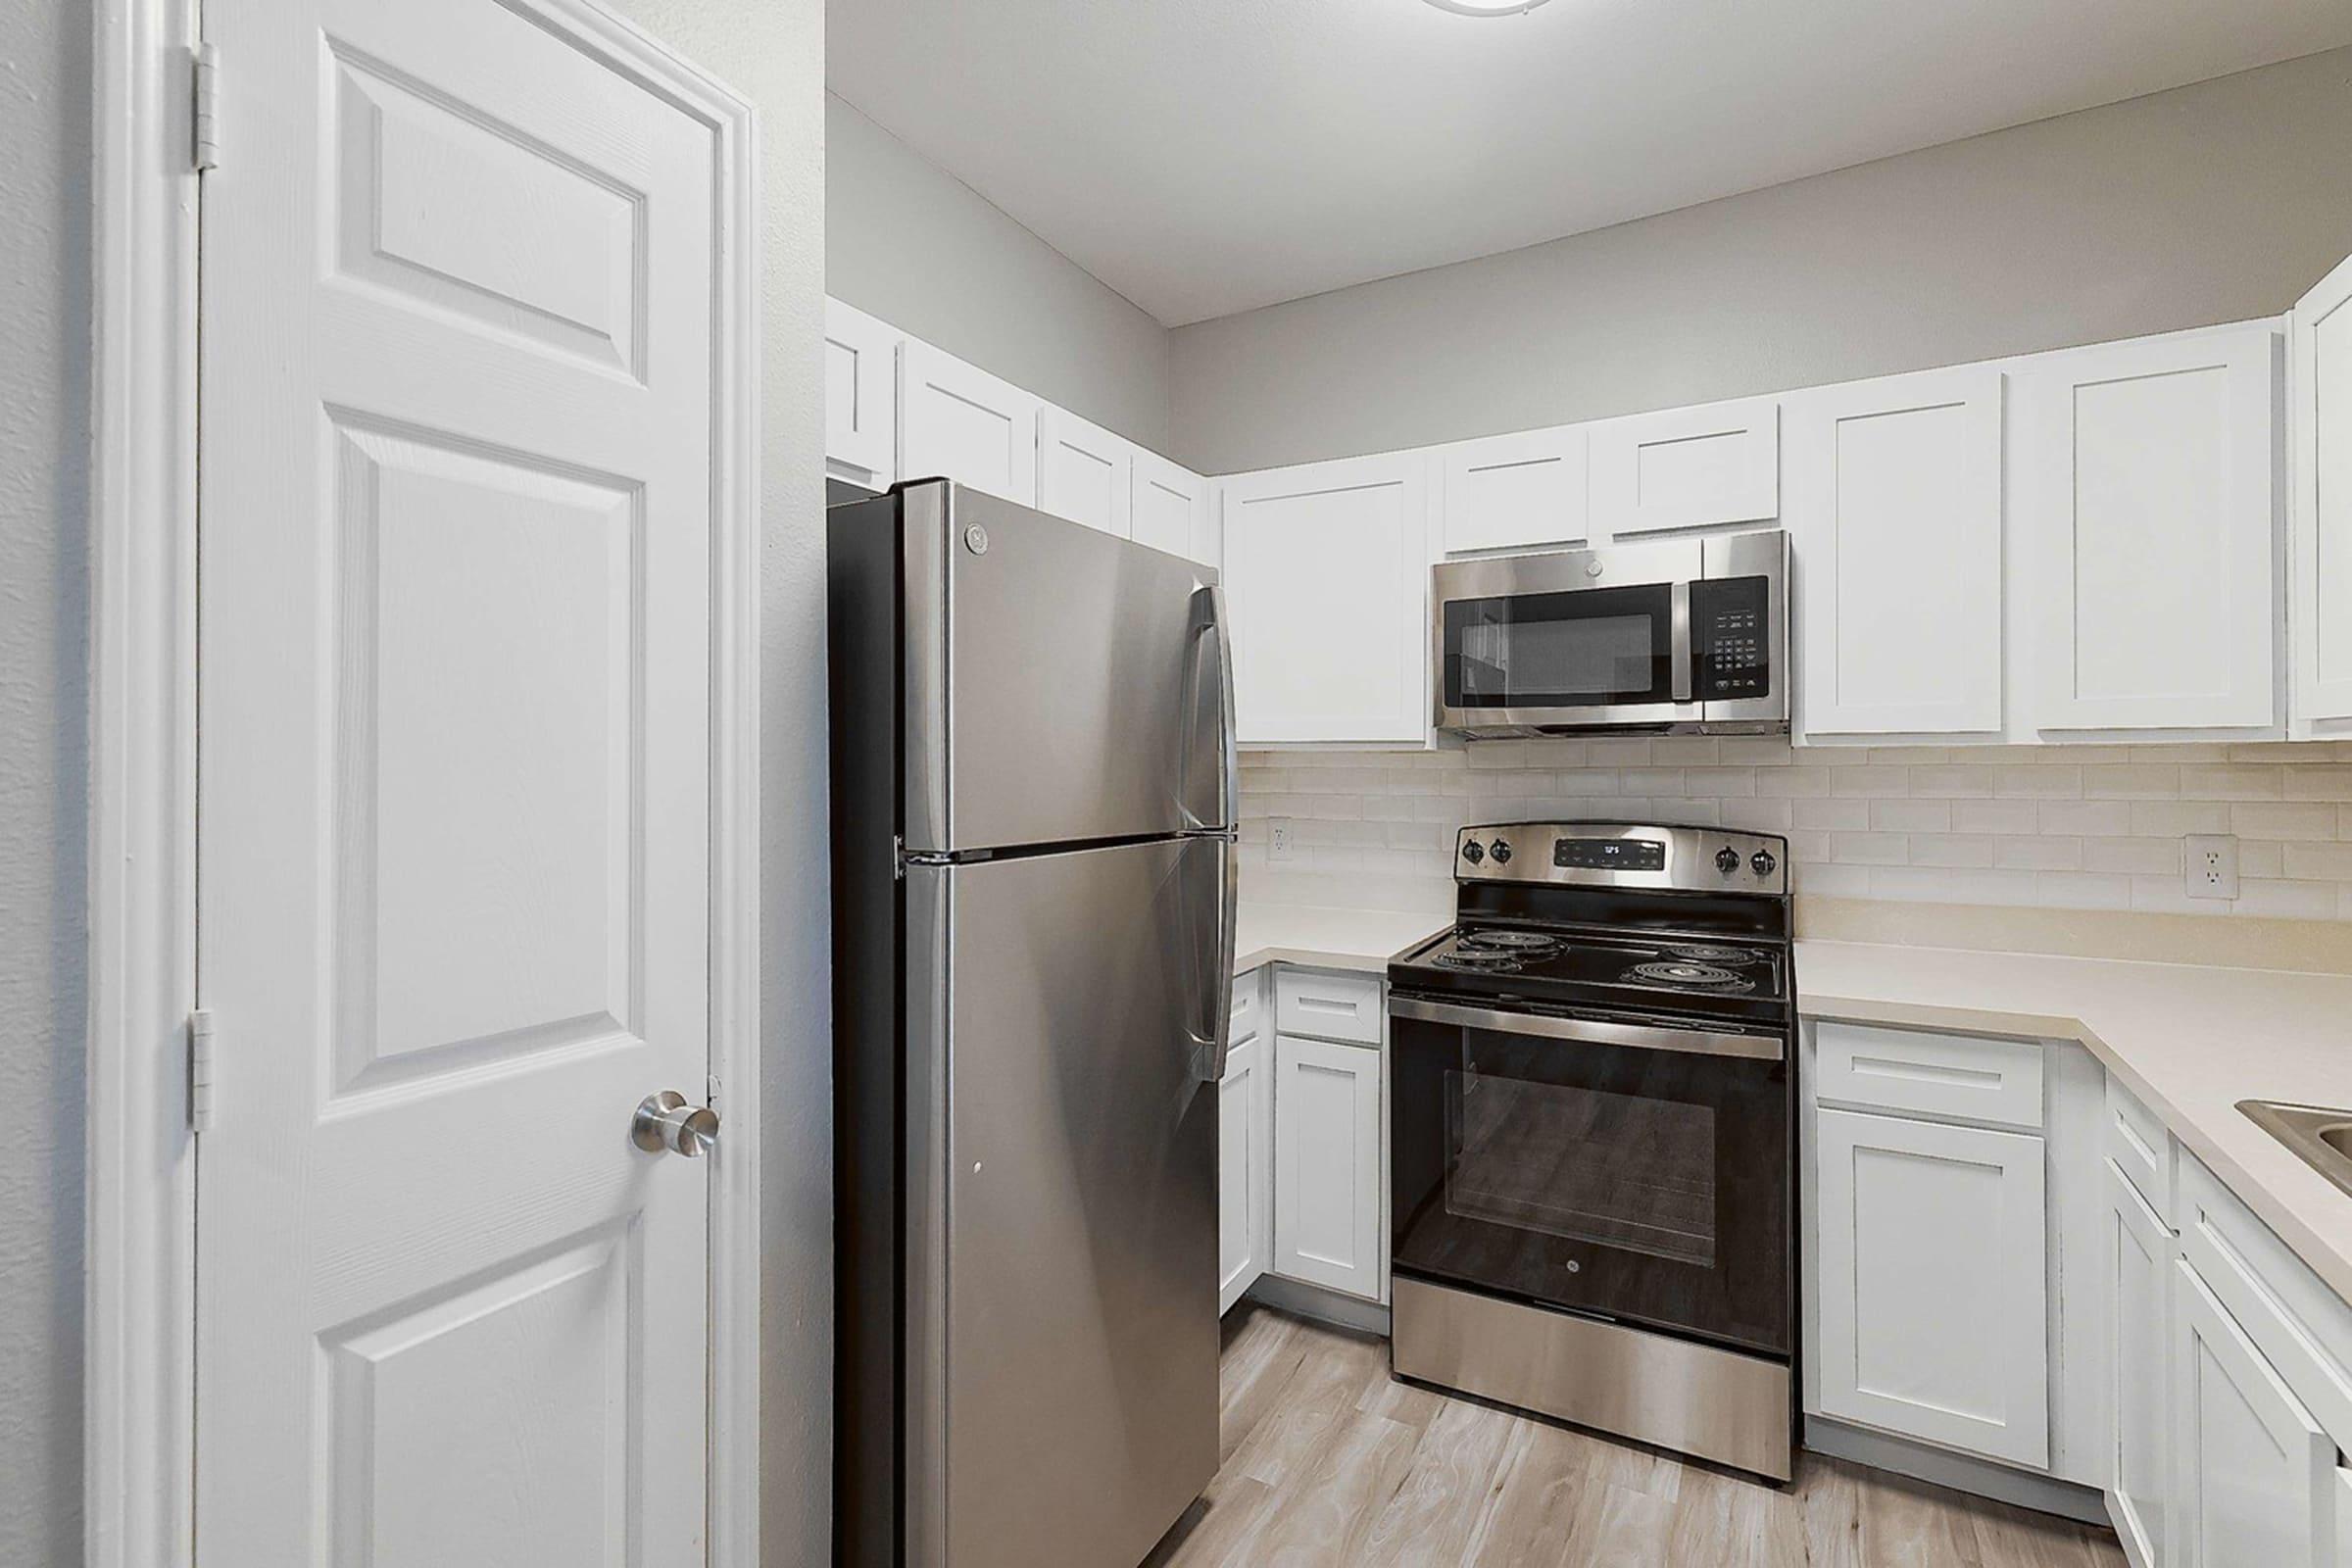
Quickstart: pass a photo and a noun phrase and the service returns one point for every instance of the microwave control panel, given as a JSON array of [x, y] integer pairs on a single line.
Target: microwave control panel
[[1731, 638]]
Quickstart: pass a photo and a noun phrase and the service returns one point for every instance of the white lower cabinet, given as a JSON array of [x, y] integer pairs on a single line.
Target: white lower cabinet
[[1327, 1176], [1245, 1161], [2139, 1341], [1932, 1319], [2253, 1473], [2343, 1519]]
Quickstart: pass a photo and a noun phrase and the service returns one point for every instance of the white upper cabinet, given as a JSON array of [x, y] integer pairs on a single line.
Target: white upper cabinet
[[2322, 381], [1084, 472], [1686, 467], [1893, 501], [1327, 570], [1518, 491], [1168, 508], [862, 406], [958, 422], [2145, 489]]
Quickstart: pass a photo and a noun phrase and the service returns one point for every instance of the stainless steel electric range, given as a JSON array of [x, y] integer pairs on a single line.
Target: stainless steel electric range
[[1592, 1133]]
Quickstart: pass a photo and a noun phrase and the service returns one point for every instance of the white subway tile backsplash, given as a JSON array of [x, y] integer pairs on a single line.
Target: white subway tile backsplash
[[2088, 827], [1911, 816]]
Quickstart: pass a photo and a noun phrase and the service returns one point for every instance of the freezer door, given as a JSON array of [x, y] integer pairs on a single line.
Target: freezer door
[[1062, 685], [1065, 1359]]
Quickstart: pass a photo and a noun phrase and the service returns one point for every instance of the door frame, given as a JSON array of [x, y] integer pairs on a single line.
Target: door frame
[[139, 1390]]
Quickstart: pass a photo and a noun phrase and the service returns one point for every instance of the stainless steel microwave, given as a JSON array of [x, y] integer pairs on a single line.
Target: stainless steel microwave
[[1688, 635]]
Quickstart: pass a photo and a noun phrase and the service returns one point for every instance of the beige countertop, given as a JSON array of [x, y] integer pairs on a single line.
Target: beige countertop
[[2191, 1041], [1326, 938]]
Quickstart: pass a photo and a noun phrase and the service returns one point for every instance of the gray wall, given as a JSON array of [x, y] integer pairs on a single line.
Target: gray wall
[[773, 51], [44, 592], [2211, 203], [914, 245]]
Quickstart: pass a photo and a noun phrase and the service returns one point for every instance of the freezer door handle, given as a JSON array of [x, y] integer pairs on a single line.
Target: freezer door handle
[[1229, 743]]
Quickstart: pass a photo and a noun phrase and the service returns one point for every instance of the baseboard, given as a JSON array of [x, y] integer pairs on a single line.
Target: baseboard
[[1958, 1471], [1324, 1306]]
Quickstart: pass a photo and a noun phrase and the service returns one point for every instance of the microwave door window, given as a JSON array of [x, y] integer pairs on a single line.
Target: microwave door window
[[1591, 649]]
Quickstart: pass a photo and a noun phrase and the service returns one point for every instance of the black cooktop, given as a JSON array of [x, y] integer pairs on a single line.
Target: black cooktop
[[1648, 971]]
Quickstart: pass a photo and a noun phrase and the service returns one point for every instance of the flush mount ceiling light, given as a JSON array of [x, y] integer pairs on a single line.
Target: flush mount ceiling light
[[1485, 8]]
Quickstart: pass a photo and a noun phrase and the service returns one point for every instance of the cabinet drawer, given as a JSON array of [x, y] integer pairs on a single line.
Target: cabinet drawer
[[1248, 1004], [1328, 1006], [2301, 1326], [1958, 1077], [2141, 1147]]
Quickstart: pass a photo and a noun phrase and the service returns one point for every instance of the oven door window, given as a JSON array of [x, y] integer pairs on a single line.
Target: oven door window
[[1648, 1186], [1595, 648]]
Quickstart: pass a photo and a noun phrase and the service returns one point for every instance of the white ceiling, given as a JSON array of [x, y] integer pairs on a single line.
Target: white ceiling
[[1204, 157]]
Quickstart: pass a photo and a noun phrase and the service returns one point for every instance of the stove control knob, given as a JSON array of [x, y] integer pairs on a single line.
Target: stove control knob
[[1762, 862], [1501, 851], [1727, 859], [1474, 852]]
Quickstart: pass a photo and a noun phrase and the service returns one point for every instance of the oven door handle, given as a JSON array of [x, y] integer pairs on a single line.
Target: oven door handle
[[1594, 1031]]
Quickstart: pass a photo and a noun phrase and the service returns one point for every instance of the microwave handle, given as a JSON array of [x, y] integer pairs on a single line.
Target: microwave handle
[[1678, 637]]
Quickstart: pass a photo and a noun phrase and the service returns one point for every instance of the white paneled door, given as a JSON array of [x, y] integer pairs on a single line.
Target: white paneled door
[[2145, 484], [1327, 567], [2322, 373], [956, 421], [1932, 1314], [862, 397], [1169, 509], [1892, 495], [1083, 472], [459, 528], [1515, 492], [1686, 467]]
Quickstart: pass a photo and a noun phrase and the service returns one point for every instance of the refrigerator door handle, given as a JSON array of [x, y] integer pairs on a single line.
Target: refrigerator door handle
[[1229, 782], [1209, 619]]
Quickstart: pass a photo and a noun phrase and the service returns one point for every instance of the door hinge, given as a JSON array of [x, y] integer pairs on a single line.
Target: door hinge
[[200, 1070], [207, 107]]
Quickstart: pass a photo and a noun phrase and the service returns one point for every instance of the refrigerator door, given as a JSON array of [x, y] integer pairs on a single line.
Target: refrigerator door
[[1062, 1307], [1062, 685]]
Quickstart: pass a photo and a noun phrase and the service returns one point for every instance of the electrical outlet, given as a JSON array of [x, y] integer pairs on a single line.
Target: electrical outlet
[[1282, 849], [2212, 866]]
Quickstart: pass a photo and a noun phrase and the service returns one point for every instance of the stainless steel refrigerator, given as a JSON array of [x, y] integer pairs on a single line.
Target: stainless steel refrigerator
[[1034, 784]]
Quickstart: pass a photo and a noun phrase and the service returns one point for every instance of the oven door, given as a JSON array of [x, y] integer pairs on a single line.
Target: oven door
[[1638, 1172], [1575, 638]]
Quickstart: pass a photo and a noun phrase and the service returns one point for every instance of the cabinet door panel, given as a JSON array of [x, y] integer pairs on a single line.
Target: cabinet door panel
[[960, 422], [1245, 1100], [861, 396], [1686, 467], [1893, 499], [1933, 1322], [2146, 491], [2139, 1305], [1084, 472], [2252, 1469], [1514, 491], [1327, 1165], [2322, 377], [1168, 508], [1327, 570]]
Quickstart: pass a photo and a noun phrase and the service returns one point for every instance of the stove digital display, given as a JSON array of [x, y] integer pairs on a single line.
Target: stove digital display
[[1609, 854]]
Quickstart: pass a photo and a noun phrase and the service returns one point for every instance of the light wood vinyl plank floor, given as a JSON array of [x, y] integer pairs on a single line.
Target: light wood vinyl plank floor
[[1328, 1461]]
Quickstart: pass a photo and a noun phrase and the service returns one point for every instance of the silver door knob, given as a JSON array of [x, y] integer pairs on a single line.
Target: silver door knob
[[665, 1122]]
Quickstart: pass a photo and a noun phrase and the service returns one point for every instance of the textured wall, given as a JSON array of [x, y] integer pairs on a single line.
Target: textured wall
[[911, 243], [44, 594], [2211, 203], [2074, 827], [772, 52]]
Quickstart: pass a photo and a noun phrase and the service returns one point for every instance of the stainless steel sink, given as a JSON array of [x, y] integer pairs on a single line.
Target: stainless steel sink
[[2321, 1137]]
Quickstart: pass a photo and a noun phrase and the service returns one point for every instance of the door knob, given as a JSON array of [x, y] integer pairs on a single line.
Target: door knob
[[665, 1122]]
